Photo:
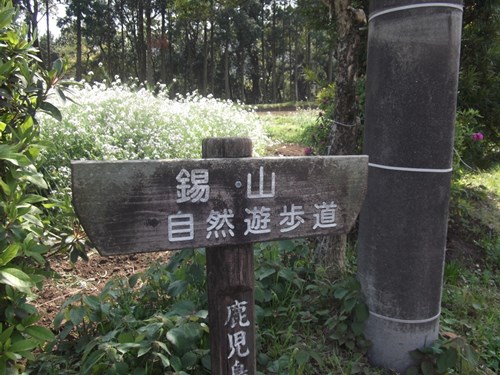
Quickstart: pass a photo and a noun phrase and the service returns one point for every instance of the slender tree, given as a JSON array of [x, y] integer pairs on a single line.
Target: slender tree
[[342, 139]]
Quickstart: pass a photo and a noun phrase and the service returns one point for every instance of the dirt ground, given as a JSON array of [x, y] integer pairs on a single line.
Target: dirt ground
[[286, 149], [89, 277]]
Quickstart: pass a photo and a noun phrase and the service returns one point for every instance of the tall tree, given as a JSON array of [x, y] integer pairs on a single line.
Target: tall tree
[[342, 139]]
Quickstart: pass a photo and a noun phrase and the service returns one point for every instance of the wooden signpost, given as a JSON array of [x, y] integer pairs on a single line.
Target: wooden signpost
[[224, 202]]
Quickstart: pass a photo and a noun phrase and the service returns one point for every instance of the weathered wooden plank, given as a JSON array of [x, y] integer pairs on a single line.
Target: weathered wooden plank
[[141, 206], [231, 307]]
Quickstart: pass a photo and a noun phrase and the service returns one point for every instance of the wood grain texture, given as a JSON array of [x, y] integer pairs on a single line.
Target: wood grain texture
[[231, 282], [125, 206]]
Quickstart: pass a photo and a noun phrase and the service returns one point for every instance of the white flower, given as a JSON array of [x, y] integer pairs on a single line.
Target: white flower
[[100, 64]]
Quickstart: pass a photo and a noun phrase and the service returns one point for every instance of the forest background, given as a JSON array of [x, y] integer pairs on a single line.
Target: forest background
[[252, 51]]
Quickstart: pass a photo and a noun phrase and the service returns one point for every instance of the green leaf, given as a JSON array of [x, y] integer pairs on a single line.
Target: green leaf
[[52, 110], [6, 17], [263, 272], [178, 287], [189, 359], [184, 337], [36, 179], [15, 278], [340, 293], [447, 360], [143, 350], [288, 274], [40, 333], [33, 198], [302, 357], [8, 153], [91, 301], [361, 312], [6, 334], [176, 363], [183, 308], [427, 368], [357, 328], [9, 253], [5, 187], [132, 281], [23, 345], [58, 66], [76, 315], [121, 368]]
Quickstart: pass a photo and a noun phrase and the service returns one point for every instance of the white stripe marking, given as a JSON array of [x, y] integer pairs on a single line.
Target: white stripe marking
[[405, 169], [407, 321], [414, 6]]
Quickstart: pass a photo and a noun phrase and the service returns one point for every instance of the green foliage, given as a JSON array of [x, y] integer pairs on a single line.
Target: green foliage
[[347, 324], [474, 206], [470, 151], [479, 85], [443, 356], [152, 323], [157, 321], [24, 89]]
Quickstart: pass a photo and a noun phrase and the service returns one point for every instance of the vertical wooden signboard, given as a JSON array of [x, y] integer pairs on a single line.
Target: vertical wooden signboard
[[224, 202]]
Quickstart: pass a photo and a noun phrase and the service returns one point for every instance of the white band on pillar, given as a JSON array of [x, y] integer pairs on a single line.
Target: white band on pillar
[[406, 169], [406, 321], [413, 6]]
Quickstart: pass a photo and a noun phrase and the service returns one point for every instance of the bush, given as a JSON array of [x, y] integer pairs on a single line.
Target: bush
[[156, 321], [24, 87], [119, 122]]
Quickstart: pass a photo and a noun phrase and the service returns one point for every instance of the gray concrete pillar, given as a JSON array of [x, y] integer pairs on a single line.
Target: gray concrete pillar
[[412, 79]]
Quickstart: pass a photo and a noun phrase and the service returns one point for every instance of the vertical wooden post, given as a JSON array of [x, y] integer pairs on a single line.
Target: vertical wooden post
[[230, 276]]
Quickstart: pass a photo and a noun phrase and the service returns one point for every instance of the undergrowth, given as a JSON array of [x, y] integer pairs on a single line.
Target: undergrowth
[[156, 321]]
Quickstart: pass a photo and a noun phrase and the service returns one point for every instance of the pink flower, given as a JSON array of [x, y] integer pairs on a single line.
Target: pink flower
[[477, 136], [308, 151]]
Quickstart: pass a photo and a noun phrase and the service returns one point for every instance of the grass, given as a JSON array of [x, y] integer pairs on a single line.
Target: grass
[[289, 127], [286, 106], [471, 298]]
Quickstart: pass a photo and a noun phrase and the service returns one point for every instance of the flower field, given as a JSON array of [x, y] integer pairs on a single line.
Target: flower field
[[119, 122]]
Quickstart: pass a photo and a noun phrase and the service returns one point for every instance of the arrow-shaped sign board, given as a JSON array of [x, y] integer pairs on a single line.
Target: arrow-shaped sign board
[[143, 206]]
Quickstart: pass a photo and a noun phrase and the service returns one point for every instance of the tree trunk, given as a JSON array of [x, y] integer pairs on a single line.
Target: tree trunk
[[273, 56], [205, 60], [149, 41], [343, 131], [331, 250], [141, 45], [263, 80], [47, 19], [227, 88], [109, 40], [78, 73], [122, 42]]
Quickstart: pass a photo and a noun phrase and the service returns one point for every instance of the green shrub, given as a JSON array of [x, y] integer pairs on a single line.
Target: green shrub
[[24, 88], [156, 322], [469, 141]]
